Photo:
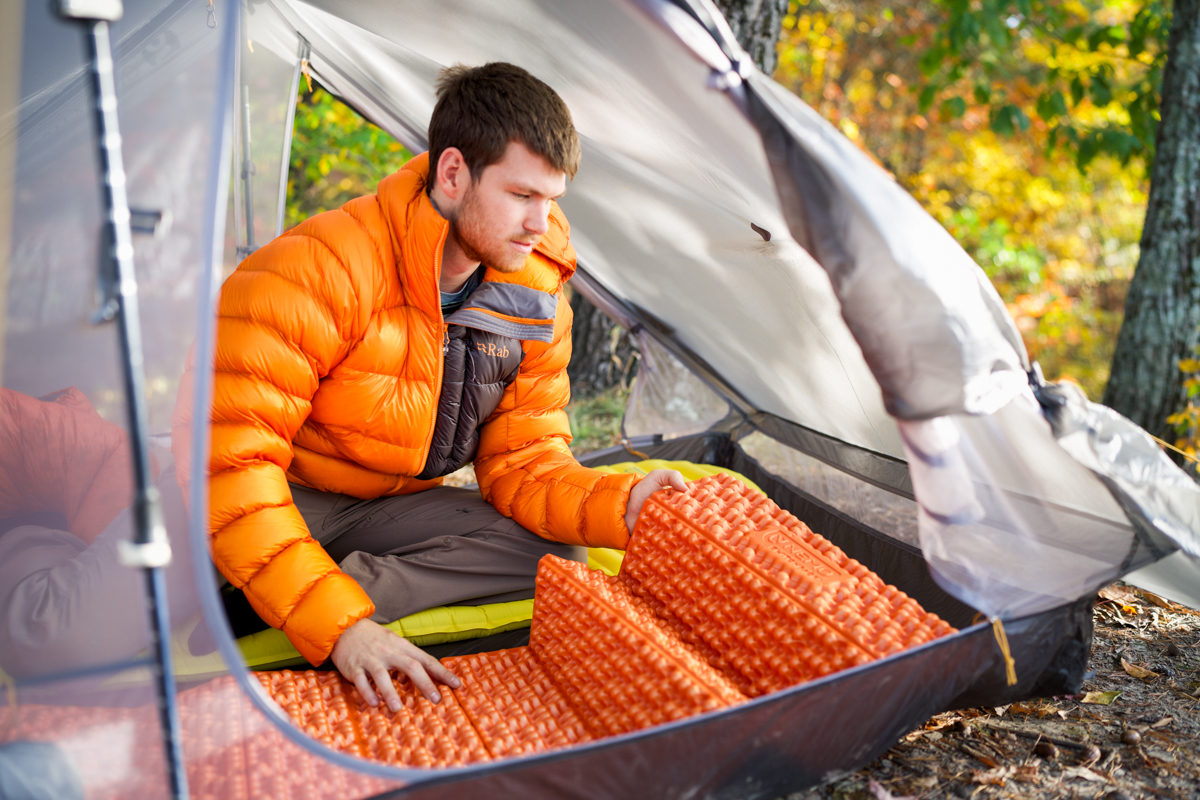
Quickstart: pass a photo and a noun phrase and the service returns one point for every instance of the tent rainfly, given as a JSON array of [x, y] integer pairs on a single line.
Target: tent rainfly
[[801, 320]]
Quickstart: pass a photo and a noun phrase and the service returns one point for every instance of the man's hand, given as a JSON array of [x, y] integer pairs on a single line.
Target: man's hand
[[655, 479], [367, 648]]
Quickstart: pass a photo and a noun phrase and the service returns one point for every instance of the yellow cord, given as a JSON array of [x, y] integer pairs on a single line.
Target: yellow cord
[[304, 70], [638, 453], [1010, 666], [1186, 455]]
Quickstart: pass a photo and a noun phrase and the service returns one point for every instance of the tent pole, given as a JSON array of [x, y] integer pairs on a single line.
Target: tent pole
[[247, 171], [150, 550], [288, 128]]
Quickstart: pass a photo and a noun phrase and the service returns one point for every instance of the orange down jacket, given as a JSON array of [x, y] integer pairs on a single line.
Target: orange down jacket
[[328, 371]]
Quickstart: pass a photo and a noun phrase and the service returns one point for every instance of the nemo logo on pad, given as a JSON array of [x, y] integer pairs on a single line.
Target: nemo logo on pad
[[815, 567]]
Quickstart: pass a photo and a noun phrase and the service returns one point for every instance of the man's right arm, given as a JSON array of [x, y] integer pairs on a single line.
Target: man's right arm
[[277, 336]]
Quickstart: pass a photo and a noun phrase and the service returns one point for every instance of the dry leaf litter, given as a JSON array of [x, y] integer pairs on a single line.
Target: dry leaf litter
[[1132, 732]]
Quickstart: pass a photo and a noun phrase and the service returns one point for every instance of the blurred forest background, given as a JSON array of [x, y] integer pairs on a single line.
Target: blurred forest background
[[1026, 128]]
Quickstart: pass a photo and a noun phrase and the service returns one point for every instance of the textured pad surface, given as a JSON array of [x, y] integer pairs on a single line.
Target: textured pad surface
[[613, 658], [766, 601], [420, 734], [514, 705]]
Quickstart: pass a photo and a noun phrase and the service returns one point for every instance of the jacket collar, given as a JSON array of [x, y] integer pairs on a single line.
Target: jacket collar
[[521, 304]]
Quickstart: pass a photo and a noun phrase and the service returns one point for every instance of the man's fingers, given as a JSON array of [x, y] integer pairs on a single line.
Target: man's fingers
[[415, 671], [675, 481], [439, 672], [383, 682], [364, 687]]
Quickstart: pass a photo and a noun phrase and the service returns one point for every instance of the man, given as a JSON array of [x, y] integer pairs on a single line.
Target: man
[[373, 349]]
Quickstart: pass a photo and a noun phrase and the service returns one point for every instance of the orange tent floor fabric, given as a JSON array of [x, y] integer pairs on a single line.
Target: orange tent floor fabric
[[723, 596], [231, 751]]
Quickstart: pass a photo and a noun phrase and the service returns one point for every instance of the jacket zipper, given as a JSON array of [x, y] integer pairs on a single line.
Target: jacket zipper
[[437, 276]]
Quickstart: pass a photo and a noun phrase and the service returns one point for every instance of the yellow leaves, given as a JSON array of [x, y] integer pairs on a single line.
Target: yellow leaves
[[1141, 673], [1100, 698]]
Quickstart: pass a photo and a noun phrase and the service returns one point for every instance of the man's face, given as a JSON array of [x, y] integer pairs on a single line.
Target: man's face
[[505, 212]]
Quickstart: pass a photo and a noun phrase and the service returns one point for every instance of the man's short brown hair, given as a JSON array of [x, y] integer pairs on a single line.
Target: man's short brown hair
[[480, 110]]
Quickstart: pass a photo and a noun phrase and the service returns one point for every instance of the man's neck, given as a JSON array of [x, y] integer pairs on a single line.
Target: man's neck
[[457, 266]]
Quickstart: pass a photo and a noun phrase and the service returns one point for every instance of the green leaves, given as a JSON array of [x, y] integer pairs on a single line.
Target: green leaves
[[336, 156], [1058, 61], [953, 108], [1008, 119], [926, 99], [1051, 105]]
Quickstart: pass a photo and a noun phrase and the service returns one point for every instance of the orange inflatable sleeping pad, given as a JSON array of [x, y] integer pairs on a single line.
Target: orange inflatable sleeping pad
[[767, 602]]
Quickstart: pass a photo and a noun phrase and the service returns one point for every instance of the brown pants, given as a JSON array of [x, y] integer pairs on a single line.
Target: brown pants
[[443, 546]]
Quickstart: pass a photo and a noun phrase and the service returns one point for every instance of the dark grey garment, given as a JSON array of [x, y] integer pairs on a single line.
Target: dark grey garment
[[452, 301], [443, 546], [478, 366], [66, 605]]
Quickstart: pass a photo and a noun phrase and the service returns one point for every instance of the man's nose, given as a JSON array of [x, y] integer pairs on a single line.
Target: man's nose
[[537, 221]]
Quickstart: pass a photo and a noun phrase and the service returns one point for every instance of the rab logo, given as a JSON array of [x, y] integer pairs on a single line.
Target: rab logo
[[491, 349]]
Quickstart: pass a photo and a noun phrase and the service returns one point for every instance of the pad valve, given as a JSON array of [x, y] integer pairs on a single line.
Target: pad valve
[[723, 596]]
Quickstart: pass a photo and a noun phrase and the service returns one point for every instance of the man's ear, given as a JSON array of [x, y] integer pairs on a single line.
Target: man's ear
[[453, 176]]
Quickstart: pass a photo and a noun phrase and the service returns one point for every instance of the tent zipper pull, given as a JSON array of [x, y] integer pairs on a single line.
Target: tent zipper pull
[[1010, 666]]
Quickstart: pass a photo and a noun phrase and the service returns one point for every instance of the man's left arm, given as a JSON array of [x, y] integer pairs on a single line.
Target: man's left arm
[[525, 467]]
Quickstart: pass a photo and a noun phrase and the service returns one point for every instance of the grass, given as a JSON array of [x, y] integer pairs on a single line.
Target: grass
[[596, 421]]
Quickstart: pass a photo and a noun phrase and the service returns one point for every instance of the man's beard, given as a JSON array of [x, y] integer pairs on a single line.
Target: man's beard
[[473, 239]]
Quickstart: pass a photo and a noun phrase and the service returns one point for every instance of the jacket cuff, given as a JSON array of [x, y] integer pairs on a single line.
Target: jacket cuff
[[329, 608], [604, 515]]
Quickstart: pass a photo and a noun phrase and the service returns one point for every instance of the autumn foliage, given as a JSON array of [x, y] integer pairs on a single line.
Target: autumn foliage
[[978, 139]]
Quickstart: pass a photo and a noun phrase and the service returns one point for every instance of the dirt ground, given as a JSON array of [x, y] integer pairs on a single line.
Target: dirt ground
[[1131, 733]]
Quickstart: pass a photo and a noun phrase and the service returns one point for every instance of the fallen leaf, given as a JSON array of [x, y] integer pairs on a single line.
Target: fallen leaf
[[1131, 610], [1151, 597], [1100, 698], [1164, 722], [1000, 710], [1138, 672], [1083, 773], [926, 783], [1118, 594], [1026, 774], [881, 793], [992, 777]]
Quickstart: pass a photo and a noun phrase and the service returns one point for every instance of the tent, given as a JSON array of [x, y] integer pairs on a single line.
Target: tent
[[801, 320]]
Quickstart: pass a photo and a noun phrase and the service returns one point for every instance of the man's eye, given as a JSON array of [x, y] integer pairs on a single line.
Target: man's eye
[[520, 196]]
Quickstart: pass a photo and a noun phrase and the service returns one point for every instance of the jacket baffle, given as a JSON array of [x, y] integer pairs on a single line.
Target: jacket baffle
[[328, 374]]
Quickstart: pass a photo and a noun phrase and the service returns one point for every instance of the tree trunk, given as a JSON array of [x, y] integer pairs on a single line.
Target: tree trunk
[[756, 24], [1162, 311], [603, 354]]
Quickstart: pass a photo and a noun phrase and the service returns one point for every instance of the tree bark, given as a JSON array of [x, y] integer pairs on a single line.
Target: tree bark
[[756, 24], [1162, 311], [603, 354]]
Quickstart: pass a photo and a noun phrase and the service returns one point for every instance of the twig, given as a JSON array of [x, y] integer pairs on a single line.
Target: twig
[[1035, 735]]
